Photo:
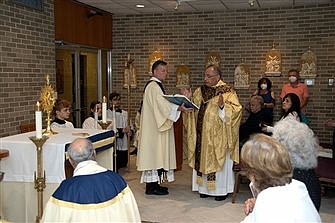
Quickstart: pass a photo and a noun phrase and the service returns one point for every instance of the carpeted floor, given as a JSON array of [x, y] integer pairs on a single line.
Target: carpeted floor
[[183, 205]]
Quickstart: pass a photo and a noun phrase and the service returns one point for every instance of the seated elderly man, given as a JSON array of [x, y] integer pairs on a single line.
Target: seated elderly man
[[254, 122], [93, 194]]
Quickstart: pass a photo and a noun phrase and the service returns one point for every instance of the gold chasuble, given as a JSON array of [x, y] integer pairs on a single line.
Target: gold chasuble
[[209, 138]]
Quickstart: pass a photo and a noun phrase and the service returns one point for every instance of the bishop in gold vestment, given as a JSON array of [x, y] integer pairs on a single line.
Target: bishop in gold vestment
[[212, 135]]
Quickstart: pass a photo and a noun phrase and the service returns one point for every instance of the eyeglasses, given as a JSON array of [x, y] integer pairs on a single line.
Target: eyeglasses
[[210, 76]]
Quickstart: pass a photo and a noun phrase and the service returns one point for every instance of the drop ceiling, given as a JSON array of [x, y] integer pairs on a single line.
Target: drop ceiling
[[122, 7]]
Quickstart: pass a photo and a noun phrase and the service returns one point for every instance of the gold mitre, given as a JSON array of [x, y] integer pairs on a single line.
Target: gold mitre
[[213, 58], [154, 56], [182, 76]]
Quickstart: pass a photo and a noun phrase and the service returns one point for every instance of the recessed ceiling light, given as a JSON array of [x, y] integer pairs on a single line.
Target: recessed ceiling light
[[140, 6]]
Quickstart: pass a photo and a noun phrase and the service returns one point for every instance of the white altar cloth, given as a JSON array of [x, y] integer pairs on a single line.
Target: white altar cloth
[[18, 198], [21, 163]]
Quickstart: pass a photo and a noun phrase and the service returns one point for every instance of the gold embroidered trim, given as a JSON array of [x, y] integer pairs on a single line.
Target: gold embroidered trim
[[98, 144], [199, 180], [90, 206], [103, 142], [211, 185]]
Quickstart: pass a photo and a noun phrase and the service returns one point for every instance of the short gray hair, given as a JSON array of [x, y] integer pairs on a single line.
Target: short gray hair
[[300, 142], [81, 152]]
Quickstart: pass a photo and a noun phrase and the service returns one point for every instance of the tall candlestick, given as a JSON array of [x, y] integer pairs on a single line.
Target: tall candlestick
[[38, 121], [114, 119], [96, 117], [104, 110]]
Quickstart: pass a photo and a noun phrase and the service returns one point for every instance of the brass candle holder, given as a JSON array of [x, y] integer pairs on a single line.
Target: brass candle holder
[[48, 100], [115, 140], [104, 125], [39, 181]]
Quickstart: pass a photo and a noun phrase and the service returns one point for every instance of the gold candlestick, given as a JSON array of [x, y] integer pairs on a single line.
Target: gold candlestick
[[115, 141], [39, 181], [104, 125], [48, 101]]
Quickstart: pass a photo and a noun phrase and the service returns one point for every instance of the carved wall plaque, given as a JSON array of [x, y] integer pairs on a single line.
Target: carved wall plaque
[[242, 76], [308, 65], [273, 62], [182, 76]]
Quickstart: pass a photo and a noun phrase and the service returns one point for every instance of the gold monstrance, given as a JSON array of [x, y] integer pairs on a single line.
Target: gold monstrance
[[48, 101]]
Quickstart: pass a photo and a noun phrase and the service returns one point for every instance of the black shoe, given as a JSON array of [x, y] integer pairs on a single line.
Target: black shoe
[[134, 152], [220, 198], [163, 188], [204, 195], [156, 191]]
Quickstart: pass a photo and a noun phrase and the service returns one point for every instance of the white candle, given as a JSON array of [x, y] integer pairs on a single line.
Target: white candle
[[96, 117], [114, 120], [104, 110], [38, 121]]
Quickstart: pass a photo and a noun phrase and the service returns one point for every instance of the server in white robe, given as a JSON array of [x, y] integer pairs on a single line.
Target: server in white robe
[[156, 156], [62, 112], [124, 130], [93, 194]]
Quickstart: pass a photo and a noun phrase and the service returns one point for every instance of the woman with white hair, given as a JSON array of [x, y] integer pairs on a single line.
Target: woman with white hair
[[302, 145], [279, 197]]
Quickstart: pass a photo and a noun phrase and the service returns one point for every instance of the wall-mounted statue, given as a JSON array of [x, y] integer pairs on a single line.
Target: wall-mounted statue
[[129, 73], [273, 62], [308, 65], [183, 76], [154, 56], [242, 76]]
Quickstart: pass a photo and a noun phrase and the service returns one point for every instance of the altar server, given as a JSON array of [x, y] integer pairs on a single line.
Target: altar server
[[93, 194], [62, 111], [123, 130]]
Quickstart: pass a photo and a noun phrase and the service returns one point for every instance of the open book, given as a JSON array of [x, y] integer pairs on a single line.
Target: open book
[[180, 99]]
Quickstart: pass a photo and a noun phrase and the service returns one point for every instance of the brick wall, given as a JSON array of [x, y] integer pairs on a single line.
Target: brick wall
[[238, 35], [27, 54]]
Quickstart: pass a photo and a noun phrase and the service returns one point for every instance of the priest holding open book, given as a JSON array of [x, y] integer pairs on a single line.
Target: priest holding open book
[[156, 156], [212, 135]]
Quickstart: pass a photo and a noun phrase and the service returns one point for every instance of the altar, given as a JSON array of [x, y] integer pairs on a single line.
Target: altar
[[18, 200]]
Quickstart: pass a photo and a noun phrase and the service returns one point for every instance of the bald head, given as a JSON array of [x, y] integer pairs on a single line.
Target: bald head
[[80, 150]]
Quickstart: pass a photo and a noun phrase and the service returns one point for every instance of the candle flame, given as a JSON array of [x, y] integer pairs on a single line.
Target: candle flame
[[38, 106]]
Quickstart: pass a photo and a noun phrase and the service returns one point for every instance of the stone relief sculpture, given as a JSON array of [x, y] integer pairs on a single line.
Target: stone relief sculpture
[[183, 76], [242, 76], [153, 57], [129, 73], [308, 65], [273, 62]]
